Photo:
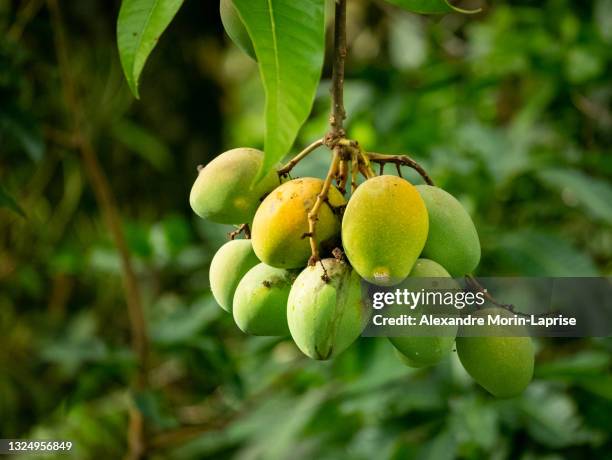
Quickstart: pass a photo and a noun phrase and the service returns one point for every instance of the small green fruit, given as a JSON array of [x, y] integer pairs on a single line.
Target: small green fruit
[[384, 229], [228, 266], [421, 351], [260, 301], [325, 311], [452, 241], [282, 220], [235, 28], [224, 191], [501, 365]]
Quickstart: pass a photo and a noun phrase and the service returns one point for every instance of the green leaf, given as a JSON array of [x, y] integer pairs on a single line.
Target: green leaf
[[538, 253], [553, 418], [139, 26], [7, 201], [577, 188], [431, 6], [289, 41], [234, 26], [585, 364]]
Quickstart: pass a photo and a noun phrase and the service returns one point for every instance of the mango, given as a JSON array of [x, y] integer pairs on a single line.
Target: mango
[[235, 28], [228, 266], [501, 365], [325, 310], [260, 301], [224, 191], [425, 268], [281, 222], [384, 229], [421, 351], [452, 241]]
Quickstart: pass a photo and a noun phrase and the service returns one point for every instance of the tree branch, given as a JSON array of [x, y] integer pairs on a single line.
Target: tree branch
[[338, 114], [398, 160], [105, 199]]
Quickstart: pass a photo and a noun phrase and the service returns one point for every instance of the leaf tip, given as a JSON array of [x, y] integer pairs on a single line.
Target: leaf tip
[[133, 85]]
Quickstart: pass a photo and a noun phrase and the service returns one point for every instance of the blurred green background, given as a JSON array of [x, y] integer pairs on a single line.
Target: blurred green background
[[508, 109]]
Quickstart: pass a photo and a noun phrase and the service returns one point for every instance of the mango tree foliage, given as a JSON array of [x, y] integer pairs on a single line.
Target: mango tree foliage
[[430, 6], [139, 26], [289, 41]]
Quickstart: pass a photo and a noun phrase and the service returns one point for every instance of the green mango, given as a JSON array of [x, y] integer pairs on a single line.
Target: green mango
[[235, 28], [501, 365], [260, 301], [224, 191], [325, 311], [452, 241], [228, 266], [384, 229], [282, 220], [421, 351]]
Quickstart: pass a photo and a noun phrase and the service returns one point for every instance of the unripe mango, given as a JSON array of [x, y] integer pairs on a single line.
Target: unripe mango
[[325, 311], [421, 351], [501, 365], [384, 229], [235, 28], [281, 222], [227, 267], [260, 300], [452, 241], [224, 191]]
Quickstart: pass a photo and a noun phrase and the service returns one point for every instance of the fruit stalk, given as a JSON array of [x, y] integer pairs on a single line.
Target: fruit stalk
[[343, 173], [243, 228], [354, 171], [321, 198], [399, 160], [473, 284], [285, 170]]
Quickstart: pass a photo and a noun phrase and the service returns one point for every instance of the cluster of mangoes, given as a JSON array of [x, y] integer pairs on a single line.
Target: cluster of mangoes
[[389, 230]]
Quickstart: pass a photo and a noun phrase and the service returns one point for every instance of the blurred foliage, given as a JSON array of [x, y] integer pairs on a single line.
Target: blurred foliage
[[508, 109]]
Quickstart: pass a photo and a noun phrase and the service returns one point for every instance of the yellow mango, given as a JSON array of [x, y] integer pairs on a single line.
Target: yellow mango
[[384, 229], [281, 222]]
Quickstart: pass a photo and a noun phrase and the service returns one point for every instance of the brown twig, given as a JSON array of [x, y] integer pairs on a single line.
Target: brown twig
[[354, 170], [338, 113], [244, 228], [313, 215], [473, 284], [364, 161], [343, 173], [399, 160], [105, 199], [285, 170]]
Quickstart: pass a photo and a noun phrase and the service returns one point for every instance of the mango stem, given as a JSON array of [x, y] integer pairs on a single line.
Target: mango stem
[[285, 170], [313, 215]]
